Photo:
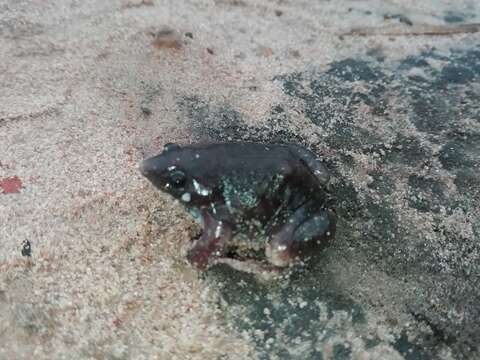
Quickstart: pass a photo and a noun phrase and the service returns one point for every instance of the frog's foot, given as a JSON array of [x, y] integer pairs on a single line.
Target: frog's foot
[[304, 231], [251, 266], [211, 243]]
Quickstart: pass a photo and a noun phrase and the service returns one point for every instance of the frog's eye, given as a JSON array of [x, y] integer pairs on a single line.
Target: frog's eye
[[170, 146], [178, 179]]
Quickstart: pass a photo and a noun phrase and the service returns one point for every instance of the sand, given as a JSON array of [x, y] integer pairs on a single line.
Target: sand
[[386, 92]]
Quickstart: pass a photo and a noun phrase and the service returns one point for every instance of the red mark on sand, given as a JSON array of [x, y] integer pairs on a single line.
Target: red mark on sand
[[11, 185]]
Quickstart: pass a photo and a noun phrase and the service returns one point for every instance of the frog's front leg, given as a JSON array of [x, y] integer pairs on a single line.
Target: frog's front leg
[[211, 244], [308, 229]]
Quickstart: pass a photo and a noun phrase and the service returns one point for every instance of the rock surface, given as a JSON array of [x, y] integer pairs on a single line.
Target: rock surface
[[387, 92]]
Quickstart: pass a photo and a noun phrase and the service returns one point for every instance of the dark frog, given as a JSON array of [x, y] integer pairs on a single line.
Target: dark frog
[[255, 201]]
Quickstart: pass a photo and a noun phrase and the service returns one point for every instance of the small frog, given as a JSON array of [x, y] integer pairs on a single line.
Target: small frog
[[255, 201]]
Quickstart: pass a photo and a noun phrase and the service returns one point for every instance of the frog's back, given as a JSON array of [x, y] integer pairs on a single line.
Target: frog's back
[[256, 161], [245, 157]]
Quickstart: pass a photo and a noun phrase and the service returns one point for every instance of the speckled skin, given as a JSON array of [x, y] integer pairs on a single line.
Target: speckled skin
[[249, 197]]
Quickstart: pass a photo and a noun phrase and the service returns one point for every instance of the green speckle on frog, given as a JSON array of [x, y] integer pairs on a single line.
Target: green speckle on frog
[[250, 198]]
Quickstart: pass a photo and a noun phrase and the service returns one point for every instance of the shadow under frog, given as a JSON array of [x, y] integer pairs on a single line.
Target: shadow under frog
[[295, 318], [250, 198]]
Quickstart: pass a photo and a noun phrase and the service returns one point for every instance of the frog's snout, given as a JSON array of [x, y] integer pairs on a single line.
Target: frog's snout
[[148, 167], [143, 168]]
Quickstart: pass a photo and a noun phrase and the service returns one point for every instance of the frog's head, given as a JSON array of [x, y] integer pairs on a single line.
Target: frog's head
[[182, 172]]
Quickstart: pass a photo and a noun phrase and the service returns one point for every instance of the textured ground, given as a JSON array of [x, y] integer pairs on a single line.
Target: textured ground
[[387, 92]]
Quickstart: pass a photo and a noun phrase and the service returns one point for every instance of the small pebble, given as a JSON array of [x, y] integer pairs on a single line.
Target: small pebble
[[26, 248]]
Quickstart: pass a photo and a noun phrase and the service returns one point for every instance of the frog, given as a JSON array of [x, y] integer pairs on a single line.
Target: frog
[[261, 206]]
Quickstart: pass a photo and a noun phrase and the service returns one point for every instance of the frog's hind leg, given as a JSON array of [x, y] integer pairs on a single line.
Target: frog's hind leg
[[316, 231], [312, 162], [305, 231]]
